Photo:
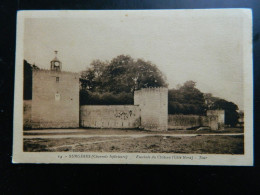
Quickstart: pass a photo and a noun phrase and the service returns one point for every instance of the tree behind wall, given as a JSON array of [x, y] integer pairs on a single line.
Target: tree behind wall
[[187, 99], [118, 79], [107, 98]]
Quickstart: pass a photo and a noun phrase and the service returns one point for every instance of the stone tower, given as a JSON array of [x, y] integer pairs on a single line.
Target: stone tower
[[153, 103], [216, 119], [55, 97]]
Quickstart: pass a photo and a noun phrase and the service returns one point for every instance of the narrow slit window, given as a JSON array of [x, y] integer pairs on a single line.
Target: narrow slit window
[[57, 79]]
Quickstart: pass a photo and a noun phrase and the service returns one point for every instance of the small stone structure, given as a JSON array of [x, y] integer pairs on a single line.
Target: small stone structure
[[153, 103], [216, 119], [116, 116]]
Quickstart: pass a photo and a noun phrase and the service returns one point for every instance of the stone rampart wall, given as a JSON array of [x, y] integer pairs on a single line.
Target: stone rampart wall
[[180, 121], [116, 116], [214, 120]]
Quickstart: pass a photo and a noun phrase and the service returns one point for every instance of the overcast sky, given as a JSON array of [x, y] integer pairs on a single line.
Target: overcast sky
[[205, 47]]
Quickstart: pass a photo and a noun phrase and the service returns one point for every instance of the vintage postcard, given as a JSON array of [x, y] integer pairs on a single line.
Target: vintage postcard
[[134, 87]]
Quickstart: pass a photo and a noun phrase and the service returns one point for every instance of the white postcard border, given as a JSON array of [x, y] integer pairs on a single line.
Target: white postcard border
[[131, 158]]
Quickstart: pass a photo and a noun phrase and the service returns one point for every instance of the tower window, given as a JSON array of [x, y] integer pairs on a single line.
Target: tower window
[[57, 79], [57, 96]]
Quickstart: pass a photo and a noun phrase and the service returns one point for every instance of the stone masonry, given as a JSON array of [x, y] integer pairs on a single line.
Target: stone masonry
[[216, 119], [55, 99], [153, 103], [110, 116]]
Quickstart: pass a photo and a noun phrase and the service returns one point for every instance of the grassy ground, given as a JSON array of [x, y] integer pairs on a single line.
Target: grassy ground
[[132, 131], [201, 144]]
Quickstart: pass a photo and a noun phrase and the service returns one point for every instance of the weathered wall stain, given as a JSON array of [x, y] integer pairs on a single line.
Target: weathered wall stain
[[124, 114], [120, 116]]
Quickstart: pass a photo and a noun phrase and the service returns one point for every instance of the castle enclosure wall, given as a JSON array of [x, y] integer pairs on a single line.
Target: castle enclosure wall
[[153, 103], [215, 119], [179, 121], [116, 116], [55, 99]]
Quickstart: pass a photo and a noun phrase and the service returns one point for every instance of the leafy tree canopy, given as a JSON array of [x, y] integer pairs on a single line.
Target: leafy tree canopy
[[121, 74], [187, 99]]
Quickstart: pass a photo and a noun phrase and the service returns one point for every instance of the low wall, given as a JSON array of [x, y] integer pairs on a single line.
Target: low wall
[[54, 125], [179, 121], [116, 116], [214, 120], [28, 123], [27, 111]]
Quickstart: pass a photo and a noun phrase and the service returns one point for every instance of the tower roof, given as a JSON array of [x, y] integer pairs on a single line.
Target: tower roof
[[55, 59]]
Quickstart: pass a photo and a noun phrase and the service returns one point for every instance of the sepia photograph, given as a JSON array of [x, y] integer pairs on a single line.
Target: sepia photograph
[[134, 87]]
